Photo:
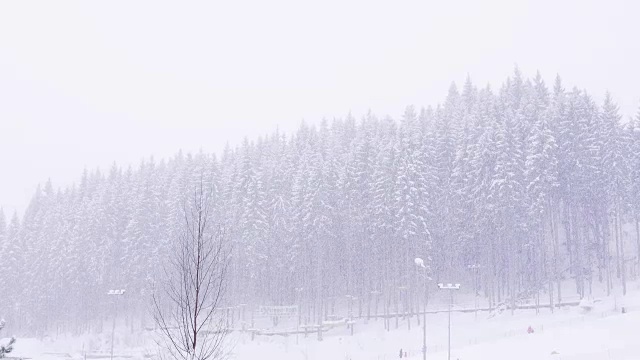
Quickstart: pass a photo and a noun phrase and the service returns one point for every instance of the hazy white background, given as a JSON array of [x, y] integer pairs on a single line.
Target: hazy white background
[[87, 83]]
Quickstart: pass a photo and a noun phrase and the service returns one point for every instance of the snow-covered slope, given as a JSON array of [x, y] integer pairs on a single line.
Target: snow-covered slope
[[604, 332]]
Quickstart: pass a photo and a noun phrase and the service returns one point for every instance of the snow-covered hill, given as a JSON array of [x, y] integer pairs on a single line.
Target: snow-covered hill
[[604, 332]]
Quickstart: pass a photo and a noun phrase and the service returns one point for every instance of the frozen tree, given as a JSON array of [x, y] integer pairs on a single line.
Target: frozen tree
[[3, 230], [532, 185], [633, 136], [8, 347], [186, 308]]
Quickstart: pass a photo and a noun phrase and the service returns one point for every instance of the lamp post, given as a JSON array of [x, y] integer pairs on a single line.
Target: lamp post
[[113, 329], [451, 288], [420, 263]]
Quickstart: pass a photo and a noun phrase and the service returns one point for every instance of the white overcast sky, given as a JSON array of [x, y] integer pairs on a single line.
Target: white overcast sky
[[87, 83]]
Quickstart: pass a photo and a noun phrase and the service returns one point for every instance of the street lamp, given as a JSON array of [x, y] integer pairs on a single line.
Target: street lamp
[[113, 329], [420, 263], [451, 288]]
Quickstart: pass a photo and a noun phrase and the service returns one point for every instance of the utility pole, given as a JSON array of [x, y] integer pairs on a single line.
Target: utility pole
[[451, 288], [113, 328]]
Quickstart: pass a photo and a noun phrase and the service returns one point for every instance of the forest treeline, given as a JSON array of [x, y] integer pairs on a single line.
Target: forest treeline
[[513, 190]]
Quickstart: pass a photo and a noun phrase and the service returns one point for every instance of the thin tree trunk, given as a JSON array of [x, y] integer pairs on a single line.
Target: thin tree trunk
[[397, 307], [587, 241], [579, 246], [319, 286], [568, 236], [617, 238], [492, 272], [624, 268], [637, 237], [556, 253], [607, 258], [511, 276]]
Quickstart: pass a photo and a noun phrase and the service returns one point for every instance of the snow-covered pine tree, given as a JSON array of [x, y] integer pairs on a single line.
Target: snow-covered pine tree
[[8, 347], [633, 130], [521, 180], [3, 230]]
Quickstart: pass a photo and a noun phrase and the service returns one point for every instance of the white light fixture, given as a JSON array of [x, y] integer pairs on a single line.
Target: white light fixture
[[449, 286]]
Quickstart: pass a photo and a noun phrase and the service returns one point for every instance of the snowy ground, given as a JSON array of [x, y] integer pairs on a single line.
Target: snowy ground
[[569, 333]]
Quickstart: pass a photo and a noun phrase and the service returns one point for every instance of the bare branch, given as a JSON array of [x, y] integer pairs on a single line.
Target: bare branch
[[194, 287]]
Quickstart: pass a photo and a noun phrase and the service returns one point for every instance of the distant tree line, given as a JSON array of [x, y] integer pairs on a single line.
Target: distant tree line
[[519, 188]]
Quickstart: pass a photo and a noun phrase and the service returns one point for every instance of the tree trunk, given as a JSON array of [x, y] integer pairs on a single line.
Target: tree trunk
[[511, 276], [616, 230], [637, 237], [556, 253], [622, 261], [607, 258], [319, 298], [579, 246]]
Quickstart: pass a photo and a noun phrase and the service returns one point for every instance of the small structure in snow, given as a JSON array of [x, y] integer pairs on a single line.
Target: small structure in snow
[[586, 305]]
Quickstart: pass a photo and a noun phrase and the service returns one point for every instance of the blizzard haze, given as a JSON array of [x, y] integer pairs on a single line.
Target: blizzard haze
[[84, 84]]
